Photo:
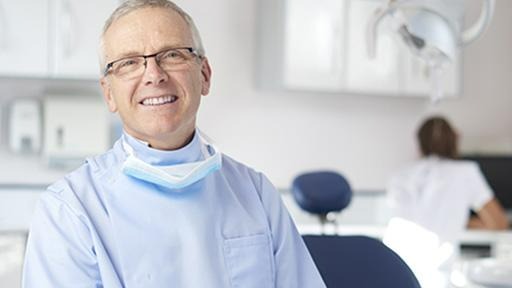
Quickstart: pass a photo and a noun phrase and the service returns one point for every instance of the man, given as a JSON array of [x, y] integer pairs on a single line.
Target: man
[[163, 207]]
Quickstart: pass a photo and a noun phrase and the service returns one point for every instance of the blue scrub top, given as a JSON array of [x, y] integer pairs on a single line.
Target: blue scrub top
[[98, 227]]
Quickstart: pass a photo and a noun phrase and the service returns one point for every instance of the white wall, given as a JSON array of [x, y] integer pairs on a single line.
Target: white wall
[[366, 137]]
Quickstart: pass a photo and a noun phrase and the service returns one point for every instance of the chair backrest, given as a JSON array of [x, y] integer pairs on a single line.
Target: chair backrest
[[321, 192], [358, 262]]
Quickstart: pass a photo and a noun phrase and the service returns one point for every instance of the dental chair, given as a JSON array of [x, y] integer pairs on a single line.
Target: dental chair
[[322, 193], [358, 262]]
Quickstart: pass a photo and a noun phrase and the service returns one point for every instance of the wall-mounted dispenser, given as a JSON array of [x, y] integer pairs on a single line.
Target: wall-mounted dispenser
[[75, 127], [25, 126]]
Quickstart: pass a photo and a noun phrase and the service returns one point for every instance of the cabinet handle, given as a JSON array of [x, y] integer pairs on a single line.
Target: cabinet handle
[[3, 28], [67, 29]]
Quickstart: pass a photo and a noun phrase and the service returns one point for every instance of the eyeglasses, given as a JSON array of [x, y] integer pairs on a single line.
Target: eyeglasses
[[173, 59]]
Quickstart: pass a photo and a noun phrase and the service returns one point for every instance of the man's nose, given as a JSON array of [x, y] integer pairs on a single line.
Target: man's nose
[[153, 73]]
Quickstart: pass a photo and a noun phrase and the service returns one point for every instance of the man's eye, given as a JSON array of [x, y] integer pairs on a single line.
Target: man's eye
[[127, 63], [173, 55]]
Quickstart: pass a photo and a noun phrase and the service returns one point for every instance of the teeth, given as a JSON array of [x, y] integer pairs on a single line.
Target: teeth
[[159, 100]]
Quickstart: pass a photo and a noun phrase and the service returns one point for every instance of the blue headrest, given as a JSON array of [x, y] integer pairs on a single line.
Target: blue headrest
[[321, 192]]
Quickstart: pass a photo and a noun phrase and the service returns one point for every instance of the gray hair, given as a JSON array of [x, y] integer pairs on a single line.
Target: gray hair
[[132, 5]]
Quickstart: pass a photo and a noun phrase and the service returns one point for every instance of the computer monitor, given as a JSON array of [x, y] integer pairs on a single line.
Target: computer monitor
[[498, 172]]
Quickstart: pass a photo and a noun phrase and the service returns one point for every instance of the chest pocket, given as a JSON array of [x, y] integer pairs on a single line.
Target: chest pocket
[[249, 261]]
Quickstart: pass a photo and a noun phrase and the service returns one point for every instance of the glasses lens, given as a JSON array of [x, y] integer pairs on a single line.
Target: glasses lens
[[128, 67], [174, 59]]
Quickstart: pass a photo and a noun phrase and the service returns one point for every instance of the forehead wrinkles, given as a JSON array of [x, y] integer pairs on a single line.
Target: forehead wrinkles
[[146, 31]]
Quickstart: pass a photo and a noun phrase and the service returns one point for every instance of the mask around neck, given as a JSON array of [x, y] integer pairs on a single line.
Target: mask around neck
[[172, 176]]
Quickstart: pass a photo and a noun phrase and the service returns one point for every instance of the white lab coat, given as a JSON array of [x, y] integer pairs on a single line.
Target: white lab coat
[[438, 194]]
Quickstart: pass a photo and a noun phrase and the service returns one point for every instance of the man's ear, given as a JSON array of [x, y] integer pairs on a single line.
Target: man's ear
[[206, 72], [107, 94]]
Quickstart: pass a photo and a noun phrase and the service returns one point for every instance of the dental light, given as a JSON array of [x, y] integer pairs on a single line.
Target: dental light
[[432, 29]]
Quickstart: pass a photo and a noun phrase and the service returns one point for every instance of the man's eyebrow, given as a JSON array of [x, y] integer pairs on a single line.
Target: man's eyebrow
[[125, 55]]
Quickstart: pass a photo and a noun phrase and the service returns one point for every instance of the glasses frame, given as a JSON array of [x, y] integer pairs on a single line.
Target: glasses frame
[[109, 65]]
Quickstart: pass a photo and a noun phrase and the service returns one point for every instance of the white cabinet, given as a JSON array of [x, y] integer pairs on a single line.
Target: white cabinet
[[52, 38], [314, 44], [381, 74], [24, 38], [75, 30], [324, 49]]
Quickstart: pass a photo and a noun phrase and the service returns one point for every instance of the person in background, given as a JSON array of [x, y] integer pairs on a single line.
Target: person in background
[[438, 191], [164, 207]]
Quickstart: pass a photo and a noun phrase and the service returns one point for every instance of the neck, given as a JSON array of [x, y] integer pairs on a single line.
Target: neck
[[171, 145], [165, 142]]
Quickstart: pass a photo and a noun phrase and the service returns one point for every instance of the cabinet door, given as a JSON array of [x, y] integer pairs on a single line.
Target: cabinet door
[[76, 28], [313, 48], [380, 74], [24, 38]]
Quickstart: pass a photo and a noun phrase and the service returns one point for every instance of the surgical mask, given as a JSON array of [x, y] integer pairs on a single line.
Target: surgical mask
[[172, 176]]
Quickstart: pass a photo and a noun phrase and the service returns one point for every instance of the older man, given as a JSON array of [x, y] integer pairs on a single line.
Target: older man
[[163, 207]]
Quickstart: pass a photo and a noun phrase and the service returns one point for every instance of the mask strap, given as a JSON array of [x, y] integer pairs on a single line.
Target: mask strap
[[206, 141]]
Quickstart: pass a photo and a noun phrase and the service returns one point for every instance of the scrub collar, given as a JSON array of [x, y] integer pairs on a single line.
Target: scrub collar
[[189, 153]]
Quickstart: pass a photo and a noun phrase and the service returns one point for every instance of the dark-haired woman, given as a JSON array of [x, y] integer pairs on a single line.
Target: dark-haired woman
[[438, 191]]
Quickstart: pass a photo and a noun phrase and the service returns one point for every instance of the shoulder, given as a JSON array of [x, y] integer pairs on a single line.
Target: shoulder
[[82, 185], [105, 163], [407, 171], [433, 163], [233, 167], [250, 183], [462, 167], [413, 175], [242, 175]]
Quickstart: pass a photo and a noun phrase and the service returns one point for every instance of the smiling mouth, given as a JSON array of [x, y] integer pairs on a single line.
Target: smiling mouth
[[155, 101]]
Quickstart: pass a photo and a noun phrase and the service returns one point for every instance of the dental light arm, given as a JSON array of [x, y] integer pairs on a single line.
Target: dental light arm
[[475, 31]]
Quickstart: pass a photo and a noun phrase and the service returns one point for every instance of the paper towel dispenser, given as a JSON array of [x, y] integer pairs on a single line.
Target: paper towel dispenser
[[75, 127]]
